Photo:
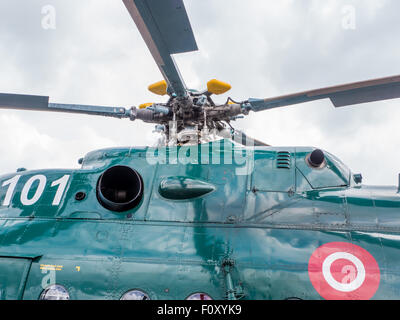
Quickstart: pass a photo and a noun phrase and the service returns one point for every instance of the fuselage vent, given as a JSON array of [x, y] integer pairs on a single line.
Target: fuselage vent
[[283, 160]]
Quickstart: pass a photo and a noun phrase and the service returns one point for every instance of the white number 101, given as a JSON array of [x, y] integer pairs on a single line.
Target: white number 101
[[25, 200]]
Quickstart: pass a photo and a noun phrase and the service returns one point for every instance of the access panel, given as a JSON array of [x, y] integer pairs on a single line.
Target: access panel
[[13, 275]]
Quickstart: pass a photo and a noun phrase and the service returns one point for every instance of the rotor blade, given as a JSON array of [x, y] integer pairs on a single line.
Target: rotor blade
[[165, 27], [41, 103], [342, 95]]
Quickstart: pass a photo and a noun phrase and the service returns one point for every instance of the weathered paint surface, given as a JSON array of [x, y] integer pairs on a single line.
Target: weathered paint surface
[[267, 223]]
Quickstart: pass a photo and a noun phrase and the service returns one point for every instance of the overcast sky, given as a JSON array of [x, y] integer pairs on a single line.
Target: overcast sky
[[264, 48]]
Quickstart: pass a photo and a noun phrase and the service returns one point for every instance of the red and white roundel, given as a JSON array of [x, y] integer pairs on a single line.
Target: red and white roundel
[[344, 271]]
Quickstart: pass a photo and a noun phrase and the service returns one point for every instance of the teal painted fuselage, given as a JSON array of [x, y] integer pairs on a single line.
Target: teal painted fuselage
[[229, 222]]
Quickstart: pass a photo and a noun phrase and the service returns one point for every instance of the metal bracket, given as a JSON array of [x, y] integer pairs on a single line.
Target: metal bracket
[[232, 292]]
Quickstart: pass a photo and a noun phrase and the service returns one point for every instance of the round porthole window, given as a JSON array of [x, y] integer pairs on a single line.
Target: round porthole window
[[55, 292], [135, 295], [199, 296]]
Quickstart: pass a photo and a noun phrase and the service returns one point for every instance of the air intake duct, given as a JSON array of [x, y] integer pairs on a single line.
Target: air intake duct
[[120, 188], [316, 158]]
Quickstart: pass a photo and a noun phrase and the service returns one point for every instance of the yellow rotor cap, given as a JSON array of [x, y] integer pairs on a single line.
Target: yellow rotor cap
[[145, 105], [218, 87], [159, 88]]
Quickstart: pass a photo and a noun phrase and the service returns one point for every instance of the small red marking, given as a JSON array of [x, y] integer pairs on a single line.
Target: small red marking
[[344, 271]]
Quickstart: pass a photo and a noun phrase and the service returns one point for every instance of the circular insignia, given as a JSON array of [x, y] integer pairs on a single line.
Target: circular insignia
[[344, 271]]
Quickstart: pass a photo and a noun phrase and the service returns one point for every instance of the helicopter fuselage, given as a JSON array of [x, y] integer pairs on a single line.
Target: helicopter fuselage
[[242, 225]]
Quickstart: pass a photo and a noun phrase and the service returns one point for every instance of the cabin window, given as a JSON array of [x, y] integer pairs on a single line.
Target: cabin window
[[199, 296], [135, 295], [55, 292]]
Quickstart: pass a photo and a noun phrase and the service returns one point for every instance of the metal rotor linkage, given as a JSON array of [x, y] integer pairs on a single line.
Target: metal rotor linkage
[[191, 119]]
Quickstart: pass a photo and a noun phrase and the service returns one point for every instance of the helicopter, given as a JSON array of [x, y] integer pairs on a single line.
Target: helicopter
[[209, 213]]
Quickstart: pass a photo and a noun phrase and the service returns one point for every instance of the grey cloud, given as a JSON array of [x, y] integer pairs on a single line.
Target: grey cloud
[[263, 48]]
